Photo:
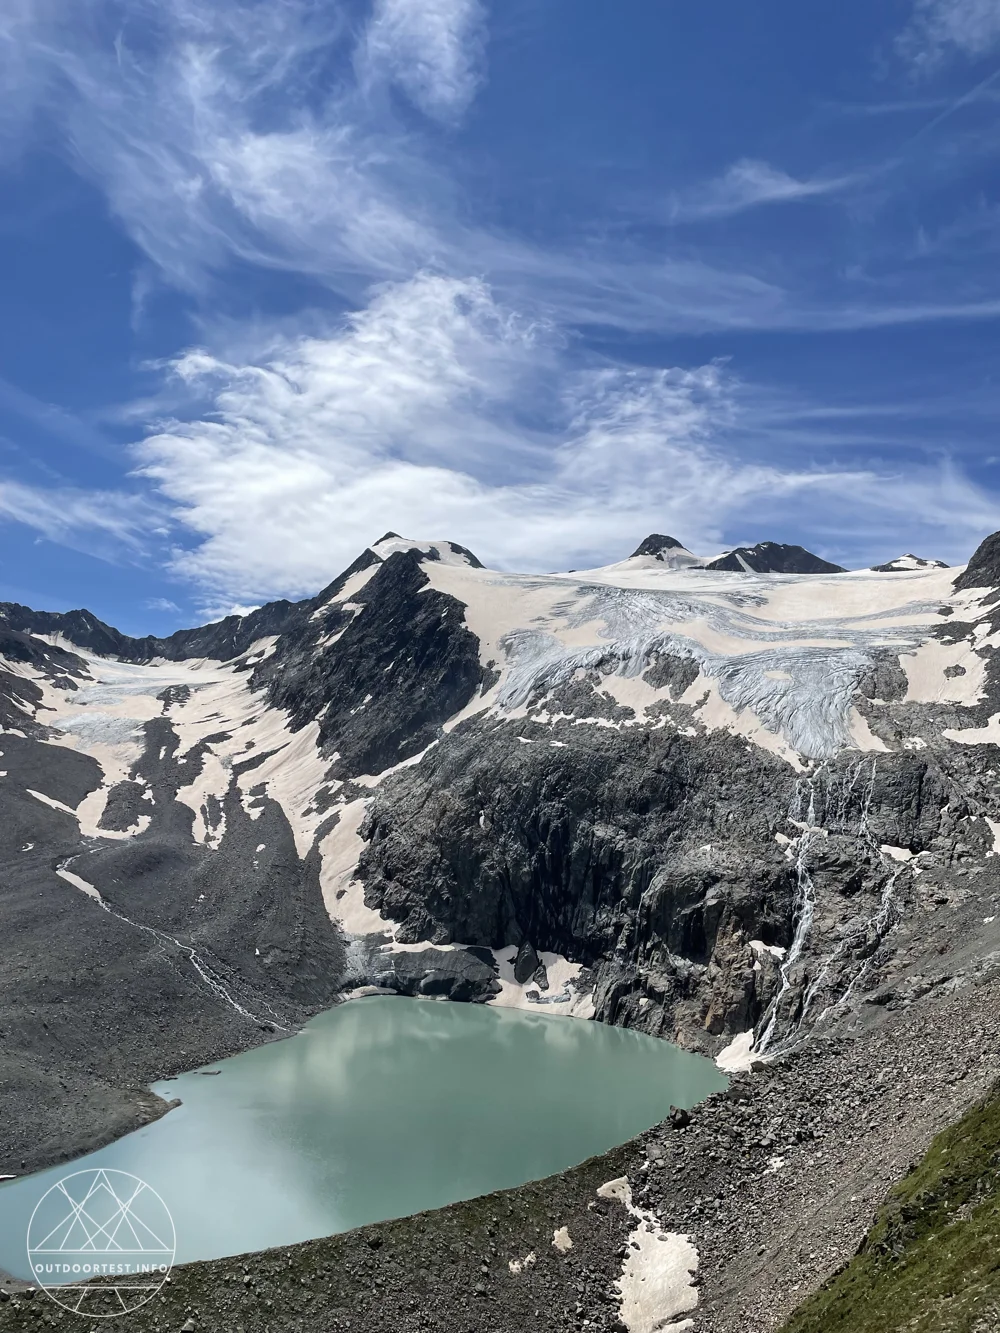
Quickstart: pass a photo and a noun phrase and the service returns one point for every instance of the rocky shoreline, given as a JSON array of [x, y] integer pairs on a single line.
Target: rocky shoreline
[[776, 1180]]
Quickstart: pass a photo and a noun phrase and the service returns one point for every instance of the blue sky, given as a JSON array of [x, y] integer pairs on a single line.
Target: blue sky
[[540, 277]]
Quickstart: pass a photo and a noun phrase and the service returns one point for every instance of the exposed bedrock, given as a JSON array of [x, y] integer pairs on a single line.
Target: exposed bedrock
[[773, 558], [222, 640], [467, 975], [382, 677], [247, 899], [708, 887], [643, 855], [192, 952]]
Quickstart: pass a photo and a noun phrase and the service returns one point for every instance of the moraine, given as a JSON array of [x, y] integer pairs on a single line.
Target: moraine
[[378, 1109]]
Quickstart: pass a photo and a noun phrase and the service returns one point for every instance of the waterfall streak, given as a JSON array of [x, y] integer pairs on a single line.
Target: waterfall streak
[[204, 969]]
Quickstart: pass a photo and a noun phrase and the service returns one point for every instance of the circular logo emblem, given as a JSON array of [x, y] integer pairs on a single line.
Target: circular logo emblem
[[101, 1243]]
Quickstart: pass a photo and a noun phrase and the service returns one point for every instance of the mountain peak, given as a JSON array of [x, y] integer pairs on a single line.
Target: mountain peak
[[450, 552], [903, 563], [773, 558], [655, 544]]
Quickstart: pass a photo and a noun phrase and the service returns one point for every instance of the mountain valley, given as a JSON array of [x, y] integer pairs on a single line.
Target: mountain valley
[[745, 803]]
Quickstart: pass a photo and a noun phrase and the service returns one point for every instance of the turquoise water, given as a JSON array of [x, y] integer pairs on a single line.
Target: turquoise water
[[380, 1108]]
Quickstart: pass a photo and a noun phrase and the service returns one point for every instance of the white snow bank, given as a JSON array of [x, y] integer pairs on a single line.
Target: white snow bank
[[896, 853], [78, 883], [51, 802], [655, 1285], [738, 1055], [343, 894], [560, 998]]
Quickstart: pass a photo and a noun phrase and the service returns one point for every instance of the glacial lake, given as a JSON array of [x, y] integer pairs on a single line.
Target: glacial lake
[[376, 1109]]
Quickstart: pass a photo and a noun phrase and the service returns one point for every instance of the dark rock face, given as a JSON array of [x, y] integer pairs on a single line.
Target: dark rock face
[[885, 679], [124, 807], [672, 671], [221, 641], [655, 544], [679, 870], [450, 974], [644, 856], [401, 667], [983, 570], [774, 558], [20, 697]]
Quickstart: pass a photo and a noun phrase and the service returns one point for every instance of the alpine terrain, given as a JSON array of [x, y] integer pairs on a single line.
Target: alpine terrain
[[746, 803]]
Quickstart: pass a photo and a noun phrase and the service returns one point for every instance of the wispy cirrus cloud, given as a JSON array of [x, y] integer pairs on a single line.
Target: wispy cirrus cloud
[[747, 184], [942, 28], [439, 413], [223, 132], [99, 521], [206, 155], [262, 134], [431, 49]]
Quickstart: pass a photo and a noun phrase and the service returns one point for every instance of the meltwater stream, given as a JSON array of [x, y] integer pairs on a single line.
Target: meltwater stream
[[380, 1108]]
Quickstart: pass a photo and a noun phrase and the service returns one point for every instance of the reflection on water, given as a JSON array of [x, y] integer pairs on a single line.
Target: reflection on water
[[376, 1109]]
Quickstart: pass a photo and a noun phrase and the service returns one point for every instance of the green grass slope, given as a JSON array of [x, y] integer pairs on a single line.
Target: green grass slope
[[931, 1262]]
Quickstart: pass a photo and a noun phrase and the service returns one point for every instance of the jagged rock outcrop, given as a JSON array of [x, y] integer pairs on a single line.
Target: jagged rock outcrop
[[655, 545], [381, 672], [773, 558], [983, 570]]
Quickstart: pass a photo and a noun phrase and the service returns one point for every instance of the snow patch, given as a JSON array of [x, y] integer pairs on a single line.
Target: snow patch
[[925, 674], [519, 1265], [77, 882], [343, 894], [896, 853], [775, 950], [985, 735], [51, 802], [738, 1055], [655, 1284], [562, 996]]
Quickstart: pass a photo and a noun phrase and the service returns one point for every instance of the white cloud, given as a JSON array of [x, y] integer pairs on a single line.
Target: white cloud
[[947, 27], [261, 132], [214, 136], [208, 148], [748, 184], [436, 413], [432, 49], [75, 517]]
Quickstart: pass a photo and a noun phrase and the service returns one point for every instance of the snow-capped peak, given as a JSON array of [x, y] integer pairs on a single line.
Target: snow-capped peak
[[902, 563], [448, 552], [660, 551]]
